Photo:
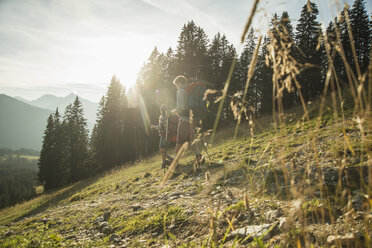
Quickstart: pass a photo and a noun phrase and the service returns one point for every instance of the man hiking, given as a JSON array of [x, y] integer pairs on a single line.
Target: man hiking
[[185, 130]]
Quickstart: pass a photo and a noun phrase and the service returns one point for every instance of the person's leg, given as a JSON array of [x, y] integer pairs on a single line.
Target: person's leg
[[194, 146], [182, 135], [163, 154], [162, 150]]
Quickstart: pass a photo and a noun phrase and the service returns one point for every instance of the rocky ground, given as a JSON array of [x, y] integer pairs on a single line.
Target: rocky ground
[[297, 187]]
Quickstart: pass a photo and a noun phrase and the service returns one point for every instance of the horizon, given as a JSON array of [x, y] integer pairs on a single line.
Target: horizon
[[80, 46]]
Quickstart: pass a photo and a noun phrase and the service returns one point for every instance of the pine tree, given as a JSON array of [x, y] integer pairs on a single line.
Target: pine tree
[[242, 69], [361, 31], [50, 169], [76, 141], [191, 56], [307, 37], [109, 140], [263, 77], [220, 55]]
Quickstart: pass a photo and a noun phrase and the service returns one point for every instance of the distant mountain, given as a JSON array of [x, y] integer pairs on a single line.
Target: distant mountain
[[52, 102], [21, 124], [22, 99]]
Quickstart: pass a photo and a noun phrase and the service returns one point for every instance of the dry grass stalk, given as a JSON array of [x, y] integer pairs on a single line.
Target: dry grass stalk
[[249, 21], [174, 164], [207, 176], [246, 201], [223, 99], [250, 75]]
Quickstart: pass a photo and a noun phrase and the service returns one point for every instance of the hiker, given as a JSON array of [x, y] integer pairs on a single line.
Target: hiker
[[185, 130], [162, 127]]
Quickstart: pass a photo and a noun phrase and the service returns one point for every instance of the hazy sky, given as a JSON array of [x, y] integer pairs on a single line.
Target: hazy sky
[[64, 46]]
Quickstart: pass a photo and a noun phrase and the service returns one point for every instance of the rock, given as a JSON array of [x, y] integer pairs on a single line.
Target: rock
[[106, 230], [106, 215], [175, 194], [114, 238], [346, 240], [283, 224], [71, 236], [272, 215], [99, 220], [254, 231], [8, 234], [103, 224], [357, 201], [147, 175], [193, 192], [136, 208]]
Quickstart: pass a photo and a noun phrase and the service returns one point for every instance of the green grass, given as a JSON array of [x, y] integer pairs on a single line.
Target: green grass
[[243, 163]]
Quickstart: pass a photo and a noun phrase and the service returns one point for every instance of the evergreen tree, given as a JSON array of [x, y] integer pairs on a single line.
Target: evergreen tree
[[50, 171], [220, 55], [76, 141], [263, 78], [361, 31], [109, 137], [242, 69], [191, 56], [307, 37]]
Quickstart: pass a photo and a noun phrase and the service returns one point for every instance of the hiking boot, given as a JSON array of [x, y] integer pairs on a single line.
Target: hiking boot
[[169, 158], [168, 162]]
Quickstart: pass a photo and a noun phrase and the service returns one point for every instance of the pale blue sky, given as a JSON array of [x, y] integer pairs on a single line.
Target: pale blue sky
[[64, 46]]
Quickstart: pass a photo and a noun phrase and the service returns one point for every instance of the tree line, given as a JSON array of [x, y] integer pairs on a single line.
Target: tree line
[[121, 132], [17, 177]]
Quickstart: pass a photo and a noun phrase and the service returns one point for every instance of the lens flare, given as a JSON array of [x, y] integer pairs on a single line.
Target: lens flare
[[144, 114]]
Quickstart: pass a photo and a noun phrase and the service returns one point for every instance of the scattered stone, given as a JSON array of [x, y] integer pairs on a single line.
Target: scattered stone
[[346, 240], [99, 220], [272, 215], [114, 238], [357, 201], [147, 175], [175, 194], [283, 224], [136, 208], [103, 224], [106, 230], [254, 231], [106, 215], [71, 236], [8, 234], [193, 192]]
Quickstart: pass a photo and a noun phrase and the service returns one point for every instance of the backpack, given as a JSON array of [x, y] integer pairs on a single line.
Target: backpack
[[195, 94]]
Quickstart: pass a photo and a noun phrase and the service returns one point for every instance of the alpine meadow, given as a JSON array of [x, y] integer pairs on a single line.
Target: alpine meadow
[[261, 141]]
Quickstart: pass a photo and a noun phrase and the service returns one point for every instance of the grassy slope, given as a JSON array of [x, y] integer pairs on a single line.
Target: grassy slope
[[253, 180]]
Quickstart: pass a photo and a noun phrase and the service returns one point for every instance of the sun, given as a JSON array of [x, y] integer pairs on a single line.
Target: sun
[[121, 56]]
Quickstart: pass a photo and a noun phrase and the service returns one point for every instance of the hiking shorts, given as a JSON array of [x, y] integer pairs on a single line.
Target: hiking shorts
[[184, 132], [163, 142]]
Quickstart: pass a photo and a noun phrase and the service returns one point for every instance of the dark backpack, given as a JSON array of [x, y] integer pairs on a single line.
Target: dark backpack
[[195, 94]]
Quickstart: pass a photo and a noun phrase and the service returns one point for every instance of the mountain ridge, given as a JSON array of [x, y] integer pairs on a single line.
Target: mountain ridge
[[51, 102], [22, 124]]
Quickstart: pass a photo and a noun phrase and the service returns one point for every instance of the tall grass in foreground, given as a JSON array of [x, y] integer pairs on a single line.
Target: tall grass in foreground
[[361, 92]]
